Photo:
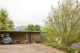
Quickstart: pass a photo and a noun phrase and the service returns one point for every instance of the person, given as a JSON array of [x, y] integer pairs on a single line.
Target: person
[[26, 40], [59, 40]]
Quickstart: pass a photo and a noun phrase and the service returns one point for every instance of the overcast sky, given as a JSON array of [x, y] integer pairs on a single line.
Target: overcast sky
[[24, 12]]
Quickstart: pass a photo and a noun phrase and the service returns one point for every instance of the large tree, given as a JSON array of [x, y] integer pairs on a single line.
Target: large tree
[[5, 22], [64, 21]]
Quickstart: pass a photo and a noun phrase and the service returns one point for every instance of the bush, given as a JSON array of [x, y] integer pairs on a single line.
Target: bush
[[64, 48]]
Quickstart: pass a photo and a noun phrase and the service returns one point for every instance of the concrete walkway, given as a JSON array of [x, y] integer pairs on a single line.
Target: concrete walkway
[[28, 48]]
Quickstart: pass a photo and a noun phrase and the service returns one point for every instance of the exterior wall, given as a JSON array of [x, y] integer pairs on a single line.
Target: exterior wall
[[35, 37]]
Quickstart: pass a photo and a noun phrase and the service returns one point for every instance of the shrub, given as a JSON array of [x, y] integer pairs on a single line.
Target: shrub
[[64, 48]]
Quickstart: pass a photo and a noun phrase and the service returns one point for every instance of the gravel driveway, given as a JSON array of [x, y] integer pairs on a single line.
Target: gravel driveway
[[27, 48]]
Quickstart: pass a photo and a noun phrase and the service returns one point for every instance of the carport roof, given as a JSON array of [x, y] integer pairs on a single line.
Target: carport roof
[[7, 31]]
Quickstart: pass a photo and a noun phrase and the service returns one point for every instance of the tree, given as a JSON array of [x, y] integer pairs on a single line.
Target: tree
[[64, 21], [37, 27], [33, 27], [4, 20], [11, 25]]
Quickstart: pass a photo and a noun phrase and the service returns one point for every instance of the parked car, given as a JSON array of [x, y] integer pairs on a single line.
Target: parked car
[[7, 40]]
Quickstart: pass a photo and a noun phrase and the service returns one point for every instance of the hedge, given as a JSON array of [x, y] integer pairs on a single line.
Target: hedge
[[64, 48]]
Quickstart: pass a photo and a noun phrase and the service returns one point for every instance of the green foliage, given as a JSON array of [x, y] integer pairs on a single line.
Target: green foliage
[[51, 33], [64, 22], [5, 23], [11, 26], [33, 27], [64, 48]]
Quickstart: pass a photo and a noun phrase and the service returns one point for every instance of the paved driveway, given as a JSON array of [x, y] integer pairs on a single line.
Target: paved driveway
[[28, 48]]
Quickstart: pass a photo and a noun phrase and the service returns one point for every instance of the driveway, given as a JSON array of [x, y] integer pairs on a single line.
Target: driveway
[[27, 48]]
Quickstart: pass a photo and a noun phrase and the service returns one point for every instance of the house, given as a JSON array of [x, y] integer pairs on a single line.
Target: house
[[22, 36]]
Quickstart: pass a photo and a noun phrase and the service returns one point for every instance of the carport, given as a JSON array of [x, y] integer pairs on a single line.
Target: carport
[[23, 36]]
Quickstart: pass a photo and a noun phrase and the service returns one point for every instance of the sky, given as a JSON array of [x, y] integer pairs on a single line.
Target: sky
[[24, 12]]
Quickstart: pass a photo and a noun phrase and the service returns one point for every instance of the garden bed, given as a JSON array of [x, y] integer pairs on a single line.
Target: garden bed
[[64, 48]]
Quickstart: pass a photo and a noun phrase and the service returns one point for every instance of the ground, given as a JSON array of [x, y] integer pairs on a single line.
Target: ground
[[27, 48]]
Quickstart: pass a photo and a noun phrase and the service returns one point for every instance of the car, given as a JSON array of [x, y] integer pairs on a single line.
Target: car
[[7, 40]]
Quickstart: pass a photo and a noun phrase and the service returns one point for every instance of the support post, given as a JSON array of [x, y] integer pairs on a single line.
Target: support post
[[29, 38]]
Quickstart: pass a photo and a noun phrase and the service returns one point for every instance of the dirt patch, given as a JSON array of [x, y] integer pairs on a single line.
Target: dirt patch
[[27, 48]]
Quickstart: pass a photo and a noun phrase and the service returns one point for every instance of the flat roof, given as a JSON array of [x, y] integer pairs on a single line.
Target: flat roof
[[8, 31]]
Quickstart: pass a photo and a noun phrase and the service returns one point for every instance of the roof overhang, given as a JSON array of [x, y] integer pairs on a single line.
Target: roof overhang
[[7, 31]]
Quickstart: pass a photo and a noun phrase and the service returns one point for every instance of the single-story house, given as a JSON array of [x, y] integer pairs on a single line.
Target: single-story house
[[23, 36]]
